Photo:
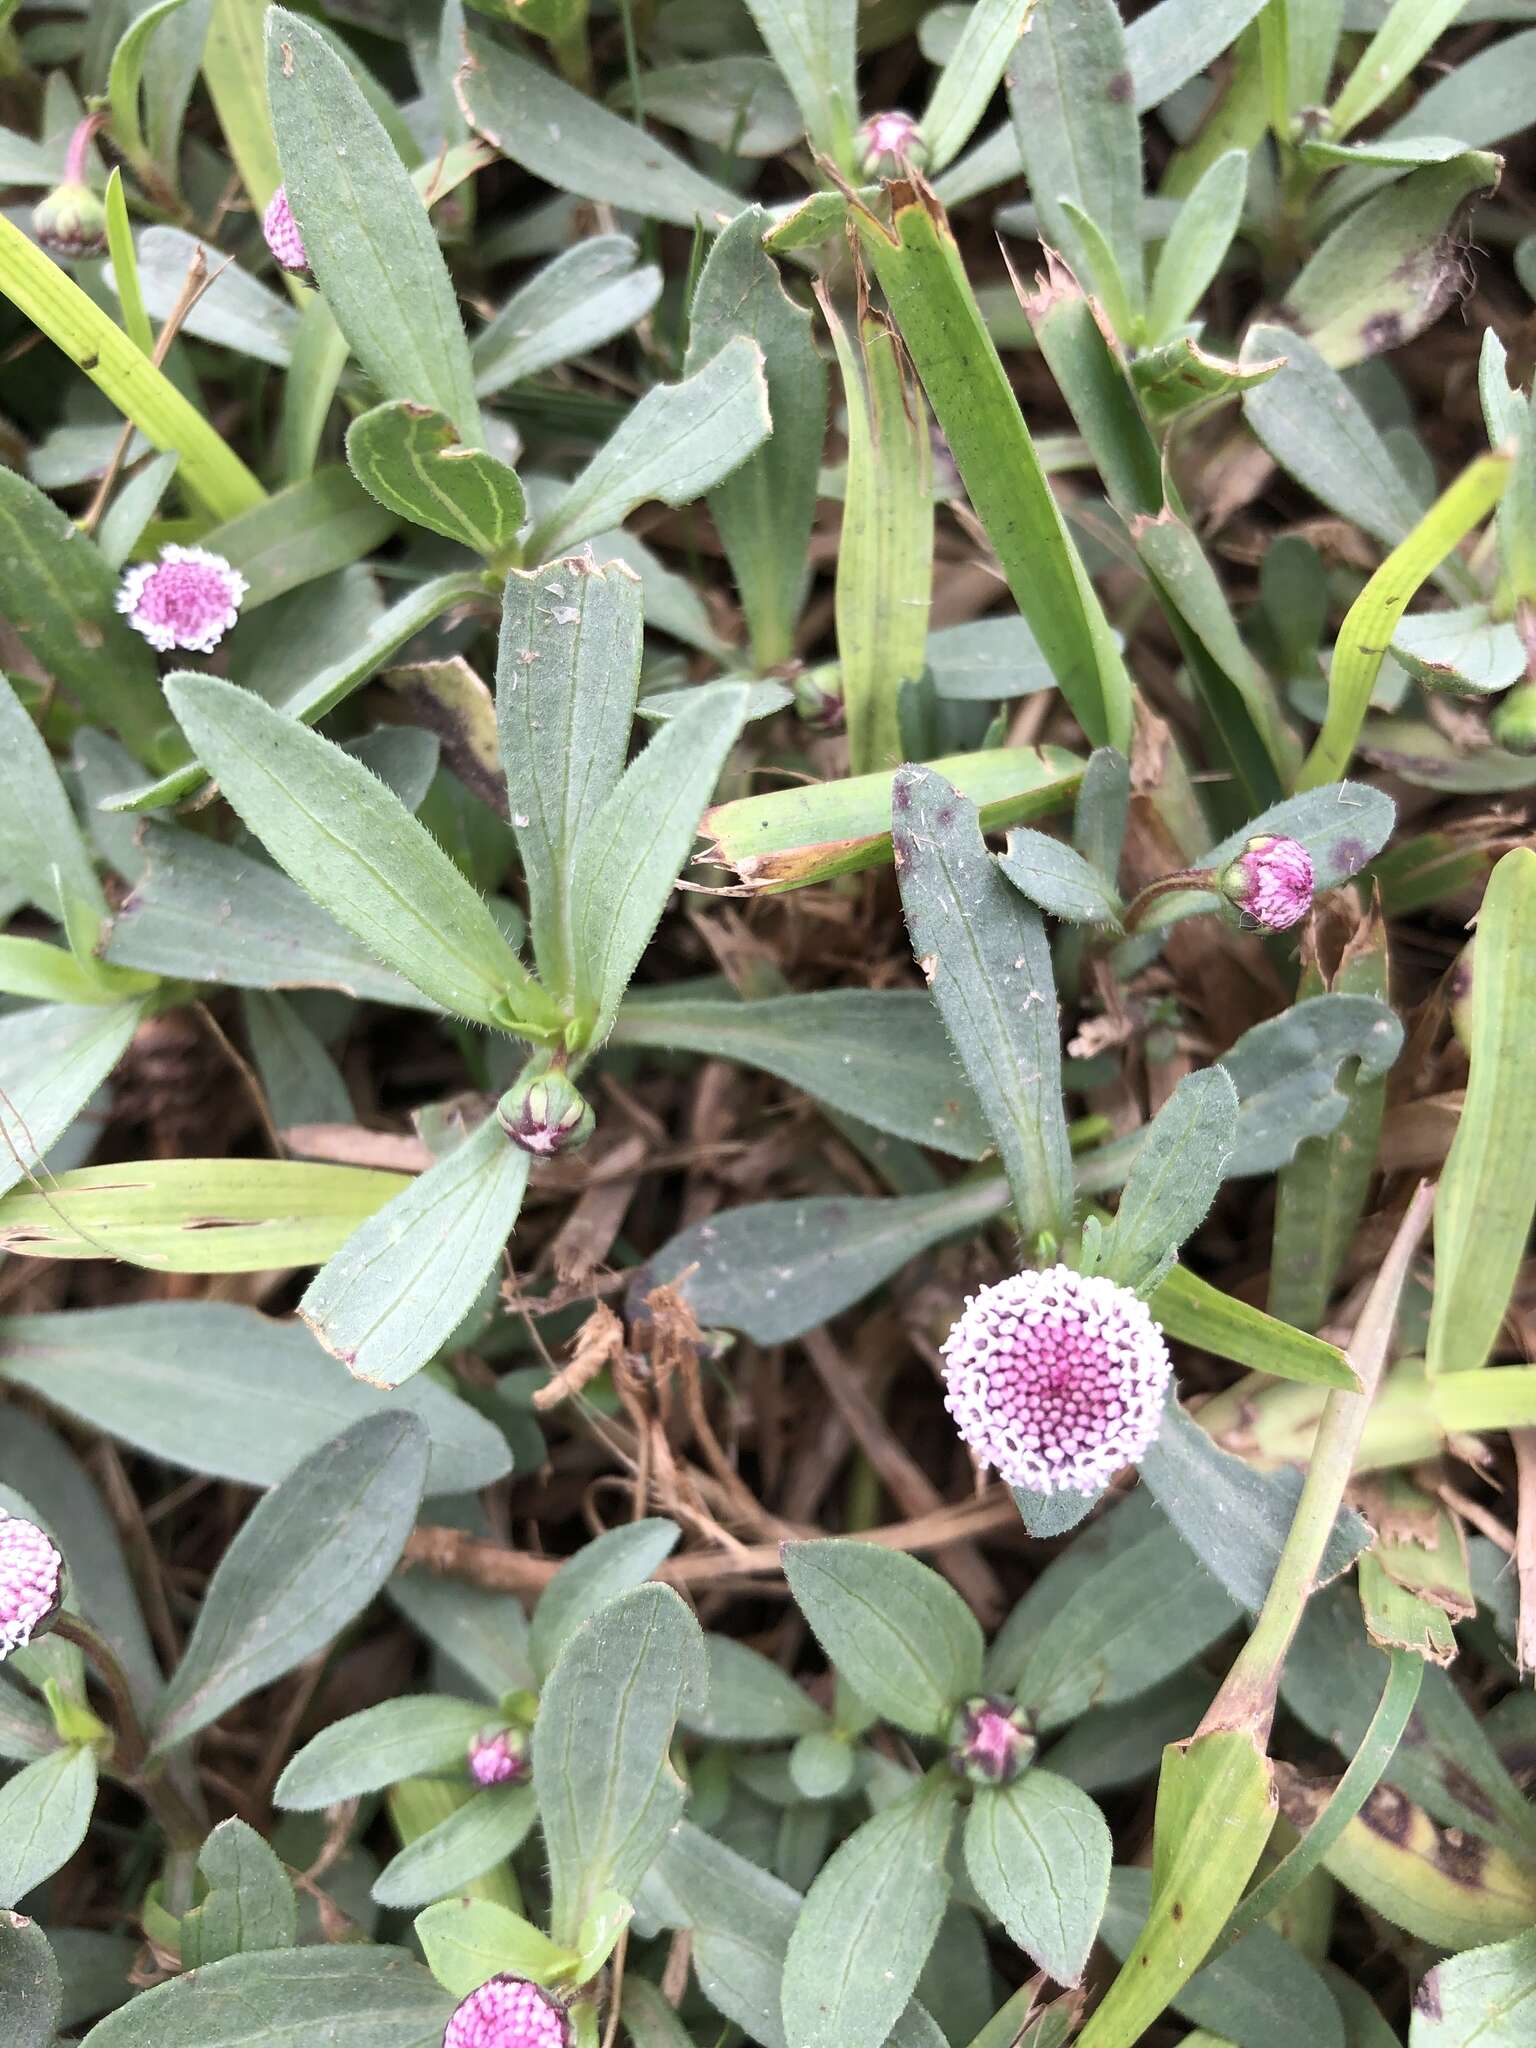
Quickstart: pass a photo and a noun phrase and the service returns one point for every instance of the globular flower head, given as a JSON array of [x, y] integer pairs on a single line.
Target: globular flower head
[[891, 142], [499, 1756], [991, 1741], [1056, 1379], [31, 1583], [1271, 881], [282, 235], [508, 2012], [189, 598], [819, 698], [546, 1115], [71, 221]]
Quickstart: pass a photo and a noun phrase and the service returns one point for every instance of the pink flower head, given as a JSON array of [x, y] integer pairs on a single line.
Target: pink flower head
[[31, 1582], [508, 2012], [891, 142], [189, 598], [283, 237], [1272, 880], [499, 1756], [991, 1741], [1056, 1380]]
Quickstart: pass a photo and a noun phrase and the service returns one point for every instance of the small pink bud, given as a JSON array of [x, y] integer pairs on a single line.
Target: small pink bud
[[31, 1583], [499, 1756], [282, 234], [546, 1115], [1056, 1379], [819, 698], [991, 1741], [508, 2012], [189, 598], [891, 142], [1271, 881]]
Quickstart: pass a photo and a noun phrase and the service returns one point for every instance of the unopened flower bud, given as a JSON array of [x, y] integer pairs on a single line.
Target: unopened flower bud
[[499, 1756], [31, 1583], [546, 1115], [889, 143], [282, 235], [819, 697], [71, 222], [1271, 881], [1513, 724], [1460, 994], [508, 2012], [991, 1741]]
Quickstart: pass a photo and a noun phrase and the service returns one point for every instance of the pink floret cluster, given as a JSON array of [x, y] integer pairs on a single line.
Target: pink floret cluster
[[508, 2012], [1056, 1380], [497, 1759], [31, 1574], [189, 598], [282, 235], [1272, 880]]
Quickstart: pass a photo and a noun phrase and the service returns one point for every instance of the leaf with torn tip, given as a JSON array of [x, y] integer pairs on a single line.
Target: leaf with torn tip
[[410, 457]]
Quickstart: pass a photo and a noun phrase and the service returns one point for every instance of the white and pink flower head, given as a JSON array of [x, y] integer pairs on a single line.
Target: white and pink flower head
[[499, 1756], [31, 1582], [508, 2012], [189, 598], [891, 142], [1056, 1379], [1271, 881], [282, 235], [991, 1741]]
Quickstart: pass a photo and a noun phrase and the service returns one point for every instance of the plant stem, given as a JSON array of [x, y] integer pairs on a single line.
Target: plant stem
[[183, 1828], [1166, 885], [1247, 1698]]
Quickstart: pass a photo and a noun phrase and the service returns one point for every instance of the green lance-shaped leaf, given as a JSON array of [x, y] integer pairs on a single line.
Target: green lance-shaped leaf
[[984, 953], [42, 852], [1410, 28], [1373, 617], [868, 1922], [567, 669], [792, 837], [352, 1996], [1197, 244], [751, 1699], [1392, 267], [392, 1297], [311, 1555], [33, 1989], [601, 1570], [578, 145], [236, 310], [355, 848], [574, 303], [53, 1058], [466, 1941], [1072, 97], [1483, 1998], [59, 594], [931, 299], [633, 848], [366, 232], [1215, 1809], [878, 1054], [309, 530], [675, 445], [764, 510], [885, 561], [1058, 879], [814, 45], [1174, 1177], [901, 1636], [411, 459], [45, 1810], [1038, 1852], [250, 1906], [404, 1738], [475, 1838], [92, 340], [1197, 1313], [1180, 375], [972, 70], [608, 1793], [1488, 1184]]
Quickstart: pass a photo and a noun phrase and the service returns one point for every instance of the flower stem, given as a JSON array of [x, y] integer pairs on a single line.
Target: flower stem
[[1248, 1696], [182, 1826], [1166, 885]]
